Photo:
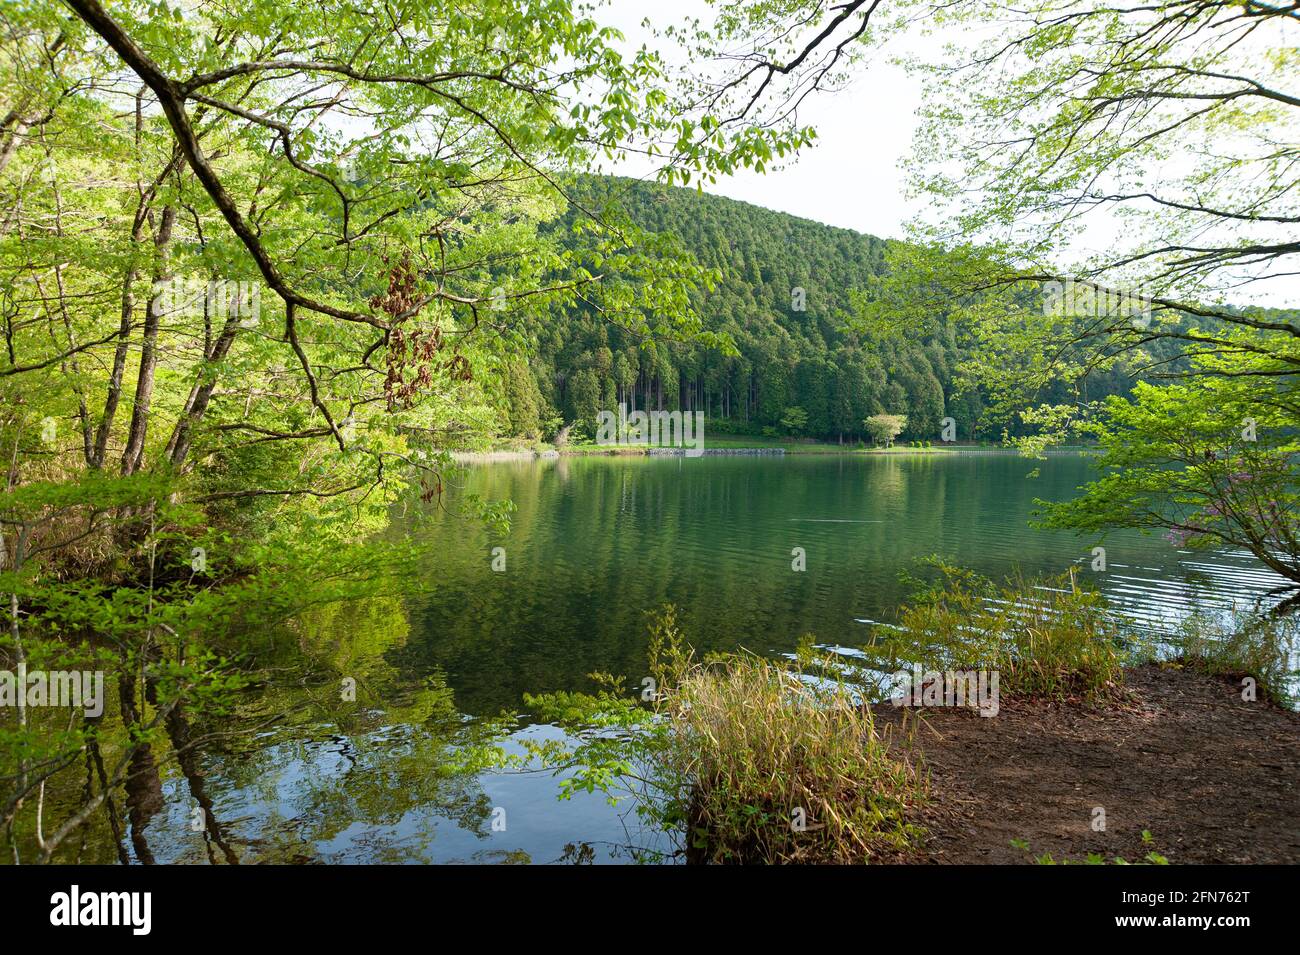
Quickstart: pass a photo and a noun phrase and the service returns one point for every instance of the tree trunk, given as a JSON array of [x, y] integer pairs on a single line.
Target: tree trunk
[[178, 446], [119, 366], [134, 453]]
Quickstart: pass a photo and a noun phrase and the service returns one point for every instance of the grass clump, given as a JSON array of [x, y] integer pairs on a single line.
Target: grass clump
[[1047, 638], [744, 759], [785, 770], [1241, 647]]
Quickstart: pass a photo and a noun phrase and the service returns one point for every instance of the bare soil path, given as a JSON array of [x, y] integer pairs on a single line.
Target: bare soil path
[[1214, 778]]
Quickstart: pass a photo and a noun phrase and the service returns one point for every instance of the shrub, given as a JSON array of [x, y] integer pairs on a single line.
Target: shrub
[[751, 760], [1048, 638]]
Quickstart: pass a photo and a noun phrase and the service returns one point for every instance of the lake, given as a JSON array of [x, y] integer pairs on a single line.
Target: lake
[[595, 543]]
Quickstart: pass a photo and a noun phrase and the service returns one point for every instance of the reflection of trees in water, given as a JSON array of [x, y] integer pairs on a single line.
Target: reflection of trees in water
[[107, 814], [588, 554], [391, 763], [296, 774], [264, 780]]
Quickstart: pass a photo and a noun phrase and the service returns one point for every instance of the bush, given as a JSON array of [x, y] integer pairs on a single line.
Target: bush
[[1047, 638], [752, 760]]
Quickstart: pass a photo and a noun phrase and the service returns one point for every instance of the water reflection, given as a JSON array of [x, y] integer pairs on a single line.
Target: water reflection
[[303, 775]]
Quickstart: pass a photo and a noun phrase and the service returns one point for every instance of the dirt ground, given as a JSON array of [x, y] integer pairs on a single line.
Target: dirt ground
[[1215, 779]]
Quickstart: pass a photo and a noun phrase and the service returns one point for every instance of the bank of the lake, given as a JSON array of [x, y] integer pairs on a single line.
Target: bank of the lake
[[1212, 777], [732, 444]]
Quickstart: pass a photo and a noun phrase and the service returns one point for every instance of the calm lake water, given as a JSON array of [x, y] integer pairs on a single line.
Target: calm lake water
[[595, 543]]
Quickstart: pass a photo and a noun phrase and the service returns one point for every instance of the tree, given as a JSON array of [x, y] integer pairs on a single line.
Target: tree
[[1086, 254], [523, 401], [1064, 120], [884, 428], [379, 245], [1205, 461], [262, 267], [794, 420], [585, 392], [837, 375], [1101, 96], [1052, 117]]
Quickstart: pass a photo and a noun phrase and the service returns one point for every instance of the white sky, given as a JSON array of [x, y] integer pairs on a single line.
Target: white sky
[[850, 177]]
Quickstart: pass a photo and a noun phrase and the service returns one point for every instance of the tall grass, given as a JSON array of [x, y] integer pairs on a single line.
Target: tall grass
[[781, 767], [772, 761], [1244, 645], [1048, 638], [750, 760]]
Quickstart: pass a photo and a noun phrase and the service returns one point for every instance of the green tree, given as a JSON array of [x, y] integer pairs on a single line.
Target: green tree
[[262, 267], [884, 428], [1207, 461], [523, 401], [795, 420], [1090, 101]]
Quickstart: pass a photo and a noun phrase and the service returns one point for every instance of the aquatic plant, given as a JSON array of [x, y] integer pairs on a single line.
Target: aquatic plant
[[1047, 637], [1242, 647]]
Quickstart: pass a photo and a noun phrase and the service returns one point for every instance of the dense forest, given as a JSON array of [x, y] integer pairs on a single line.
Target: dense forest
[[786, 294]]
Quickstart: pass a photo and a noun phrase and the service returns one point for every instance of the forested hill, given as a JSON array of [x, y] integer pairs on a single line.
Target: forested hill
[[785, 294]]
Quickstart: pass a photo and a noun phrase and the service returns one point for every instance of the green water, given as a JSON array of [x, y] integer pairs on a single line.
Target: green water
[[598, 541], [595, 543]]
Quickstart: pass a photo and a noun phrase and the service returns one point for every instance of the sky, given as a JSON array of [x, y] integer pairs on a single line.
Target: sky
[[850, 177]]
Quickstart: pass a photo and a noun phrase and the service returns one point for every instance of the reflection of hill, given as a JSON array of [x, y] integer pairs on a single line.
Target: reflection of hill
[[595, 543]]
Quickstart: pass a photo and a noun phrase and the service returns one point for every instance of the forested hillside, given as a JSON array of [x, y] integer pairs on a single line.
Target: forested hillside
[[786, 288]]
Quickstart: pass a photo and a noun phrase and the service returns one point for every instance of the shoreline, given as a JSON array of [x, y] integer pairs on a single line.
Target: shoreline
[[530, 454], [1179, 754]]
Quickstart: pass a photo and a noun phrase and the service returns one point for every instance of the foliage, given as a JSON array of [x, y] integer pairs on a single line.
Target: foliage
[[1047, 639], [1096, 858], [262, 269], [752, 758], [884, 428], [784, 296], [1210, 461], [1059, 123], [795, 420]]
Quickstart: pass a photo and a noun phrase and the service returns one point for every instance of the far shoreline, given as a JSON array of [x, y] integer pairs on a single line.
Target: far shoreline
[[774, 449]]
